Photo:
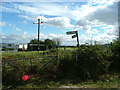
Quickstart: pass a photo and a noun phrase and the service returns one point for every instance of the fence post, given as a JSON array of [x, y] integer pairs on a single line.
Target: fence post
[[30, 64]]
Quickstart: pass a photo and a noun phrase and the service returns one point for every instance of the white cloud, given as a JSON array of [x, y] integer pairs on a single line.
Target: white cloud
[[44, 27], [91, 31], [14, 38], [51, 9], [26, 9], [2, 24], [27, 17], [95, 31], [102, 10], [35, 9], [104, 38], [108, 15], [97, 13], [82, 22], [17, 29], [111, 30], [25, 22], [8, 9], [63, 22]]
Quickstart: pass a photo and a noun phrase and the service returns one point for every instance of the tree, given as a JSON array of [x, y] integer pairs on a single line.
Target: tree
[[35, 41], [57, 41], [33, 45], [49, 43]]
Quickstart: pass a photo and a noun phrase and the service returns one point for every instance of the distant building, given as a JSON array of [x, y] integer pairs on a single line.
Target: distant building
[[9, 45], [34, 47], [23, 46], [13, 46]]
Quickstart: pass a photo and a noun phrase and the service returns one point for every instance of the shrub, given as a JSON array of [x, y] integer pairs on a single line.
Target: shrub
[[92, 62], [115, 48], [7, 49]]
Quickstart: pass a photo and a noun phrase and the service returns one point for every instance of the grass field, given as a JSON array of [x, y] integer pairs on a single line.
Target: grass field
[[23, 54], [67, 48]]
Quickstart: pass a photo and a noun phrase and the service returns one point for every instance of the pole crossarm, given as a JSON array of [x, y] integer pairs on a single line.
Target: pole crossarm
[[37, 23]]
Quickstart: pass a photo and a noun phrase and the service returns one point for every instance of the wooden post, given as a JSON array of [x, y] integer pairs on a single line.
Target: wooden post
[[30, 64]]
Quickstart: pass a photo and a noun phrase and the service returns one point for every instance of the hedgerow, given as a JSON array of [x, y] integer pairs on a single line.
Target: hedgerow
[[87, 62]]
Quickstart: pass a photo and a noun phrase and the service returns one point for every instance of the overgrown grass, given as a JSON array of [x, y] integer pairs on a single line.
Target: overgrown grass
[[17, 55], [37, 82], [109, 81]]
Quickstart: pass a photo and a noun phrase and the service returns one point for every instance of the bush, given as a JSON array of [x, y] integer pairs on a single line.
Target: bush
[[115, 62], [92, 62], [7, 49]]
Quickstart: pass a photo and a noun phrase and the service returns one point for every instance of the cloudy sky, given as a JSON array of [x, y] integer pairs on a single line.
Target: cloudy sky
[[95, 20]]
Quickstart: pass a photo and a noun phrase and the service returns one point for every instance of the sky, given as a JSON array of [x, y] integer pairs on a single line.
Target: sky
[[95, 20]]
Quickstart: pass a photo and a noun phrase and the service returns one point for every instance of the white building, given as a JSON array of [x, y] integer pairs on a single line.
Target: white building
[[9, 45], [13, 46], [23, 46]]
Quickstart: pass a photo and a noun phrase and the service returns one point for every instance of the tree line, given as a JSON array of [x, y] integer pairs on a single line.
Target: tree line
[[44, 45]]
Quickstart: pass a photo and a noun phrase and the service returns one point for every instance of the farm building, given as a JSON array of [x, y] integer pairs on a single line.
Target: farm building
[[22, 46], [10, 46], [34, 47]]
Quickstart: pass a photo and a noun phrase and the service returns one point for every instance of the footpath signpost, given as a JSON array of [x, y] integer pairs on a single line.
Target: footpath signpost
[[74, 36]]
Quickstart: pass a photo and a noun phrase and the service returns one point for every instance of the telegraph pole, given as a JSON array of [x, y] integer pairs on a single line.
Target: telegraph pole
[[119, 20], [39, 22], [38, 34]]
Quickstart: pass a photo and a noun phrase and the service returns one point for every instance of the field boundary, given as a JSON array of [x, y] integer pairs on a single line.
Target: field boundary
[[31, 61]]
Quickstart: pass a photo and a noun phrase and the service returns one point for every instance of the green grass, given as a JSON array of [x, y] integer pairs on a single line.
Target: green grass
[[17, 55], [67, 48], [27, 54], [112, 82]]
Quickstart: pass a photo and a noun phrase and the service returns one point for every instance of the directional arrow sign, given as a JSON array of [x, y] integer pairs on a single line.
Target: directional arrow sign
[[71, 32], [74, 36]]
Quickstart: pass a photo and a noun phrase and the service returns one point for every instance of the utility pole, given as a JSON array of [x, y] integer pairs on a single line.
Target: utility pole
[[119, 20], [39, 22]]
